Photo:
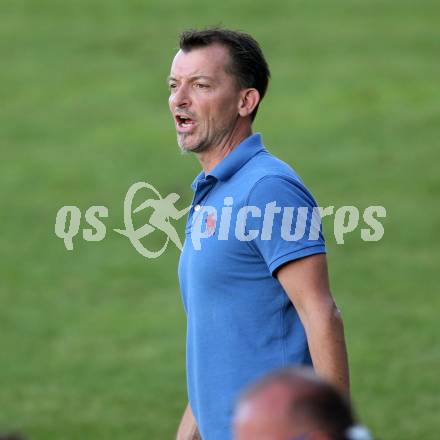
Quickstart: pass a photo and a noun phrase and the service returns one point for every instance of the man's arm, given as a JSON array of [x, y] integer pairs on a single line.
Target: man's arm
[[188, 427], [306, 283]]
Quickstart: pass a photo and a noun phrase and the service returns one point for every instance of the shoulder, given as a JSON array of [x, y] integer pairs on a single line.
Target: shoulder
[[265, 166], [272, 178]]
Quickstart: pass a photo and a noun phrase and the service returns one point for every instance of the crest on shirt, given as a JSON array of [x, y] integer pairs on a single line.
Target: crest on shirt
[[210, 222]]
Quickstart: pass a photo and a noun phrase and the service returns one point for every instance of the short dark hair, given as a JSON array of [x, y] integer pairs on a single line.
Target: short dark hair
[[325, 408], [248, 63]]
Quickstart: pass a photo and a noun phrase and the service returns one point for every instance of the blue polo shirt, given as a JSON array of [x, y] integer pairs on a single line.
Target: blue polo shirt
[[250, 215]]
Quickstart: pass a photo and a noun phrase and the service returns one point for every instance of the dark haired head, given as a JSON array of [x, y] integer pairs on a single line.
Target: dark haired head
[[311, 401], [248, 64]]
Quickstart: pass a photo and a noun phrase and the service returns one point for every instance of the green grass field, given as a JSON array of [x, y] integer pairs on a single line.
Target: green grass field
[[92, 340]]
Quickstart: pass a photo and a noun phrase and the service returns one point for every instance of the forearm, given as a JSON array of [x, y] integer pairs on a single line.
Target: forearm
[[188, 427], [325, 335], [306, 282]]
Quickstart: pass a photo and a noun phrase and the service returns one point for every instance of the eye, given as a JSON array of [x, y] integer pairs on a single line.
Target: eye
[[201, 86], [172, 86]]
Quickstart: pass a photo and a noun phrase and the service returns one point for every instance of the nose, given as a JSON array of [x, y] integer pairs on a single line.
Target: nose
[[180, 97]]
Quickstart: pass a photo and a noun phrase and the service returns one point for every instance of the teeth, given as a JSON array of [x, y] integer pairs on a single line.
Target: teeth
[[184, 122]]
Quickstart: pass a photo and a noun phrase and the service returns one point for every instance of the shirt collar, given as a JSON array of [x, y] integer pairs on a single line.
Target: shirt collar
[[230, 164]]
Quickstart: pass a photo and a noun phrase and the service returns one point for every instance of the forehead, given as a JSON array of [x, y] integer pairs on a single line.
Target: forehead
[[211, 61]]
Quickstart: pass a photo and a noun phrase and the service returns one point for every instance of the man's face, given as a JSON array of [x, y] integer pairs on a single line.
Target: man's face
[[203, 98]]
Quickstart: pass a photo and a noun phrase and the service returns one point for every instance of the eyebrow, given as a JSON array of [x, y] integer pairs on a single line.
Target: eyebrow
[[192, 78]]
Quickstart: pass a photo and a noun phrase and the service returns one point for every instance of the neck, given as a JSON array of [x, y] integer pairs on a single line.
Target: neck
[[214, 155]]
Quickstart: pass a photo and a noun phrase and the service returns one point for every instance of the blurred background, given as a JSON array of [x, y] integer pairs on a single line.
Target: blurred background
[[92, 340]]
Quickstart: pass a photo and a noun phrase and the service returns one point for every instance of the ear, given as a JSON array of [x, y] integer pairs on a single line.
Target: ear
[[249, 99]]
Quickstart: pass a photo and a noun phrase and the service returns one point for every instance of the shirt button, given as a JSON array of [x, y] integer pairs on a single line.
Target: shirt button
[[197, 208]]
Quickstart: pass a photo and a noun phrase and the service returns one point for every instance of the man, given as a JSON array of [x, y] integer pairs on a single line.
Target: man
[[295, 404], [255, 300]]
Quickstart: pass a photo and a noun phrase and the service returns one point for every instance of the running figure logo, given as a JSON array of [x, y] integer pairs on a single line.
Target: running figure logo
[[163, 210]]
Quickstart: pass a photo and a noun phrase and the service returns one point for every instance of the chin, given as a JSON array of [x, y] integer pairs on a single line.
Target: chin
[[185, 146], [183, 143], [191, 147], [188, 148]]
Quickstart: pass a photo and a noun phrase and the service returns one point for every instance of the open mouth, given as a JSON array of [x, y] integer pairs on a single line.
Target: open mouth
[[184, 122]]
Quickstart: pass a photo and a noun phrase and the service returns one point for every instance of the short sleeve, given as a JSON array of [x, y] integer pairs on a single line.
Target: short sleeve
[[287, 219]]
